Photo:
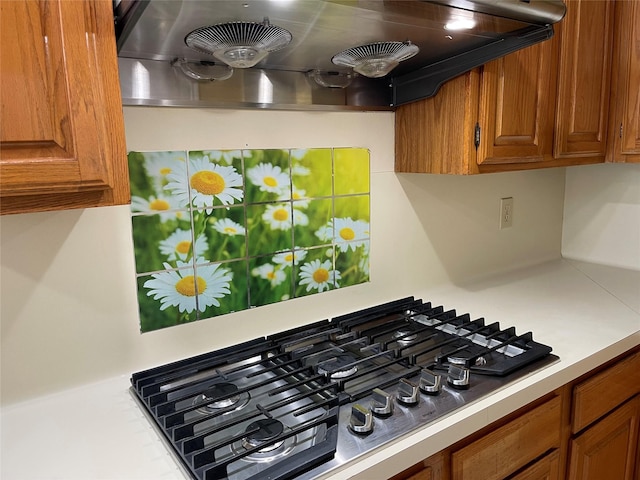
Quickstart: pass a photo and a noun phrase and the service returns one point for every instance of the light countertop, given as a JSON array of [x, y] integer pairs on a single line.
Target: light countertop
[[588, 313]]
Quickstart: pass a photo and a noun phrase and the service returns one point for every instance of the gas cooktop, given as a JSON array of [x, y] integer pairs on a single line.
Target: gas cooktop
[[304, 402]]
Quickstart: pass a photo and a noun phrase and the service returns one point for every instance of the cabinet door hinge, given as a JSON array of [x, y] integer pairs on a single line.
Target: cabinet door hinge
[[476, 136], [620, 133]]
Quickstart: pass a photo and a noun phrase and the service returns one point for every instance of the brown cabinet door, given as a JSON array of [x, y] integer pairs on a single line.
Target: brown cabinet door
[[626, 83], [516, 109], [584, 81], [510, 447], [62, 131], [608, 449], [547, 468]]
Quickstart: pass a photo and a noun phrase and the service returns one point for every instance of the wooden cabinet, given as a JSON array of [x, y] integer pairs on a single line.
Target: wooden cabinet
[[624, 144], [606, 416], [62, 131], [547, 468], [546, 105], [608, 448], [510, 447], [586, 42]]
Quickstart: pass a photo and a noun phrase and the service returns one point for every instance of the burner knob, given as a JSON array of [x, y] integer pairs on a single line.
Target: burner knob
[[361, 420], [430, 383], [458, 377], [382, 404], [408, 392]]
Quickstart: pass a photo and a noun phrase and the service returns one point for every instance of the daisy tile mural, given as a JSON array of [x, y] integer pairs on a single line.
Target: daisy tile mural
[[221, 231]]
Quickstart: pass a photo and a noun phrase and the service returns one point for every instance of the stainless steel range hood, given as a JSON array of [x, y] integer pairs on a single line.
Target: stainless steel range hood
[[302, 76]]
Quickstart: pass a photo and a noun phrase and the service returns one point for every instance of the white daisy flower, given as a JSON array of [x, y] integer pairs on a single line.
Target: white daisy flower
[[278, 217], [207, 181], [300, 218], [325, 233], [319, 275], [298, 195], [270, 272], [346, 233], [160, 164], [227, 226], [163, 205], [270, 178], [223, 156], [288, 258], [299, 170], [186, 290], [178, 246]]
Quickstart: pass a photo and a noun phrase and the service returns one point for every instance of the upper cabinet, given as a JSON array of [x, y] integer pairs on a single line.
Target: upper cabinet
[[546, 105], [62, 131], [624, 144]]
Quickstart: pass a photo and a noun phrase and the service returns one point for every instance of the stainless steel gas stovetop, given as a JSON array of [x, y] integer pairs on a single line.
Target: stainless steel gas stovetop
[[306, 401]]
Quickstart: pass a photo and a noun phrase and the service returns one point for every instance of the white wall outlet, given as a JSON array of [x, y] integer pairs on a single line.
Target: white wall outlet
[[506, 212]]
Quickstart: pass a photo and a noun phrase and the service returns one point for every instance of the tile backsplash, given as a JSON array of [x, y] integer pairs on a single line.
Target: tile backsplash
[[219, 231]]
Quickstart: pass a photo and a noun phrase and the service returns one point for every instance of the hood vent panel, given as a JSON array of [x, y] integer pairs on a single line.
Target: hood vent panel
[[308, 36]]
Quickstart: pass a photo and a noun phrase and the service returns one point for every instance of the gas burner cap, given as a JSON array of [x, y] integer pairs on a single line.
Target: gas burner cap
[[338, 367], [261, 432], [220, 396], [405, 335]]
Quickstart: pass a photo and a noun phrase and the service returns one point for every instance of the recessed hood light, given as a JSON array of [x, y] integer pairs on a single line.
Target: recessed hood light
[[239, 44], [376, 60]]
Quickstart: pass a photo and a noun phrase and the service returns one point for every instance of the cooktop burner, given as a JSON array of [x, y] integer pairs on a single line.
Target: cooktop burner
[[302, 402]]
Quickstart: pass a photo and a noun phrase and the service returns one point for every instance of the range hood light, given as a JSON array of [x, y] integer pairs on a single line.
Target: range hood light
[[460, 24], [331, 79], [203, 71], [376, 60], [241, 56], [239, 44]]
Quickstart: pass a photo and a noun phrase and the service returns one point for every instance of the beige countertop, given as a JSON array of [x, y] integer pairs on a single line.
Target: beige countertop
[[588, 313]]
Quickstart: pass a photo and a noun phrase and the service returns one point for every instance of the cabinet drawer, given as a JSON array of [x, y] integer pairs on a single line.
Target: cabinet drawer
[[511, 446], [604, 391]]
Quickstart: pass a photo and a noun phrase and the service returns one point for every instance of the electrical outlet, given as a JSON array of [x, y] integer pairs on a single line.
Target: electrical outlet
[[506, 212]]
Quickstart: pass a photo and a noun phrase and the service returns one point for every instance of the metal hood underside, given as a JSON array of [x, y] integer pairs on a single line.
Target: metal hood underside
[[151, 37]]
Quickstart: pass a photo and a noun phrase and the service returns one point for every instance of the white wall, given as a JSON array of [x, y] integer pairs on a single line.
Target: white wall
[[602, 215], [68, 307]]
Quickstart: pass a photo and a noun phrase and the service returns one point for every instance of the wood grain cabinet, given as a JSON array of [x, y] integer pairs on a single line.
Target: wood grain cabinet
[[62, 130], [546, 105], [624, 145], [605, 421]]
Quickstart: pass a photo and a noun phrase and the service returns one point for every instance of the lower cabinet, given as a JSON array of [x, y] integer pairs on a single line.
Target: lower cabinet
[[510, 447], [609, 448], [585, 430]]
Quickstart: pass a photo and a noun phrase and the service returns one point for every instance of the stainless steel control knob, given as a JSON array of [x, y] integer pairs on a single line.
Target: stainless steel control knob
[[408, 392], [361, 421], [382, 404], [458, 377], [430, 382]]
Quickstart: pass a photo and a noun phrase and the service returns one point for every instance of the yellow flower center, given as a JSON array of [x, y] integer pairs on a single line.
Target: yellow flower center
[[296, 196], [280, 215], [270, 182], [187, 286], [183, 247], [159, 204], [347, 233], [320, 275], [207, 182], [288, 257], [165, 171], [271, 275], [230, 230]]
